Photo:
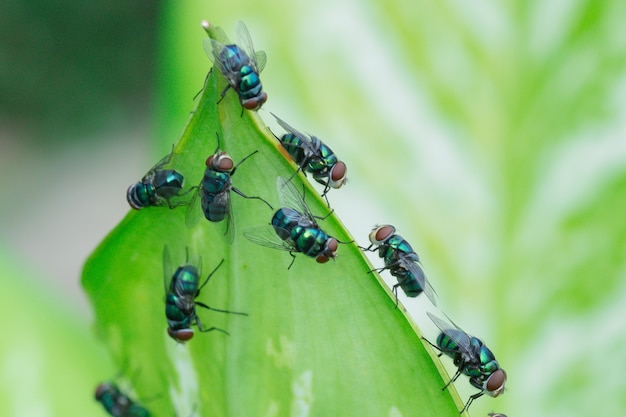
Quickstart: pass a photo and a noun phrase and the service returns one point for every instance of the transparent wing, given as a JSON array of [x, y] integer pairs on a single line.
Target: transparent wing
[[265, 235], [194, 210], [245, 42], [214, 49], [223, 200], [168, 271], [457, 335], [194, 260], [230, 226], [416, 270], [261, 60], [167, 159], [303, 137], [290, 197], [208, 49]]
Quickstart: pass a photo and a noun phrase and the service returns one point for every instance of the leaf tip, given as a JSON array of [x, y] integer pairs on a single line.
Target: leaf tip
[[206, 25]]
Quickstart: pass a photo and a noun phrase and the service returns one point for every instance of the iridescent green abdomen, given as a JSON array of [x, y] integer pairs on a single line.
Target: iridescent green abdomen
[[294, 147], [140, 195], [408, 281], [284, 220], [155, 189], [179, 311], [446, 341], [250, 84], [215, 198]]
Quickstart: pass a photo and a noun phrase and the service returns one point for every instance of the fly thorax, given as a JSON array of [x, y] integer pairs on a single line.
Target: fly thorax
[[310, 241], [489, 367], [327, 155], [168, 178], [185, 281], [486, 356], [215, 182], [318, 167], [233, 58]]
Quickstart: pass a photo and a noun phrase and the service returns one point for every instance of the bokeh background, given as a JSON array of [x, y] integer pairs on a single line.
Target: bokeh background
[[492, 134]]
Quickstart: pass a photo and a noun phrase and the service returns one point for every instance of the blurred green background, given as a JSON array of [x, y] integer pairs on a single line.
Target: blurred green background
[[492, 134]]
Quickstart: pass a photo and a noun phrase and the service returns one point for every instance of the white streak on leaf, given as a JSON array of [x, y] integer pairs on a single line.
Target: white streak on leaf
[[302, 389]]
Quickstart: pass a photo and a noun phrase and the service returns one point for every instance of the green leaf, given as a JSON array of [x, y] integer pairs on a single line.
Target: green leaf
[[319, 340]]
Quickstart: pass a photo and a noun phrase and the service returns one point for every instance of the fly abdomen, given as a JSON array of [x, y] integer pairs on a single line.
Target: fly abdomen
[[140, 195], [409, 284], [293, 146], [215, 195]]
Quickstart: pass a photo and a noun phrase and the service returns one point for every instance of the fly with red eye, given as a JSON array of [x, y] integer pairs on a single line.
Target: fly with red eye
[[181, 297], [471, 357], [214, 191], [313, 156]]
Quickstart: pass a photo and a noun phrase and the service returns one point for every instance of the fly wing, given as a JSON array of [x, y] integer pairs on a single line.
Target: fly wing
[[457, 335], [416, 270], [261, 60], [195, 260], [213, 50], [194, 210], [304, 138], [257, 60], [213, 47], [265, 235], [290, 197], [220, 209], [167, 159]]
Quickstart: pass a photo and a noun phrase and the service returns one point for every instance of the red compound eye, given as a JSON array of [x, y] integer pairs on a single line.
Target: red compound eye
[[495, 383], [381, 233], [322, 259], [338, 175], [225, 163], [255, 103], [220, 161], [181, 335]]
